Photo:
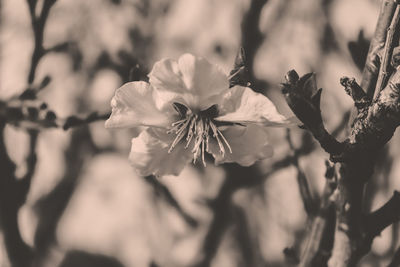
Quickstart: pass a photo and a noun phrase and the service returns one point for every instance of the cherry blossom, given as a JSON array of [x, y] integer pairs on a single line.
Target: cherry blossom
[[188, 109]]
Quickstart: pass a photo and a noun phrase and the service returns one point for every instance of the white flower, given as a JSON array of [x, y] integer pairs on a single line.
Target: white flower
[[188, 109]]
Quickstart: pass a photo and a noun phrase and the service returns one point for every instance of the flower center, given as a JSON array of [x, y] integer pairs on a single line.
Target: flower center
[[197, 127]]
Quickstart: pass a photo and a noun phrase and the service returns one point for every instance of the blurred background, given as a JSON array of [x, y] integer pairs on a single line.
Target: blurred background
[[86, 206]]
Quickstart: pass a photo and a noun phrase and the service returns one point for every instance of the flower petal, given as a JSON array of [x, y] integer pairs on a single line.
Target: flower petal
[[190, 80], [249, 144], [149, 154], [133, 105], [243, 105]]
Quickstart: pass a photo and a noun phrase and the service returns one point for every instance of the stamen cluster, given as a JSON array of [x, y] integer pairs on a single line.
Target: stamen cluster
[[197, 125]]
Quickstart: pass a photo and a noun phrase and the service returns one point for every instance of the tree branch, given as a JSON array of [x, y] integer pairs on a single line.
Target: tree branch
[[320, 240], [383, 217], [387, 53], [19, 253], [303, 98], [252, 38], [372, 128], [165, 193], [38, 24], [304, 188], [371, 68], [352, 88]]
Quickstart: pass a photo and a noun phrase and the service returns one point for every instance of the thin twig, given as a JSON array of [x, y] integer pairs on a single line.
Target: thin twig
[[371, 68], [320, 239], [38, 24], [74, 121], [166, 194], [25, 182], [387, 54], [304, 188]]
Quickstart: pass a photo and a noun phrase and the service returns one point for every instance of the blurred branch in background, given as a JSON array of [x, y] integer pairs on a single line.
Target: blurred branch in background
[[396, 259], [51, 207], [38, 24], [162, 191], [223, 208], [13, 191], [11, 199], [252, 39]]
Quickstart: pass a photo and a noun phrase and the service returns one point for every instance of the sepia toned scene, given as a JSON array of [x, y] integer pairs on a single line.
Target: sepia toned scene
[[194, 133]]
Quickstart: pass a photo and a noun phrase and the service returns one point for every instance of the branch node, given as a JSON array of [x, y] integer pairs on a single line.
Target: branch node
[[354, 90]]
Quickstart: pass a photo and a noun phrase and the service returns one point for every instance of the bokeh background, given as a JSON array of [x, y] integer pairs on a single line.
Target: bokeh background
[[87, 207]]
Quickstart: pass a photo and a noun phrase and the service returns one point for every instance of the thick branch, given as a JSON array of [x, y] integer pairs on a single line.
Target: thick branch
[[372, 128], [375, 126]]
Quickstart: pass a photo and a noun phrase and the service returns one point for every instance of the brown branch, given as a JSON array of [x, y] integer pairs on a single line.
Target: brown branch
[[320, 239], [375, 126], [304, 100], [372, 129], [360, 98], [371, 68], [387, 53], [383, 217]]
